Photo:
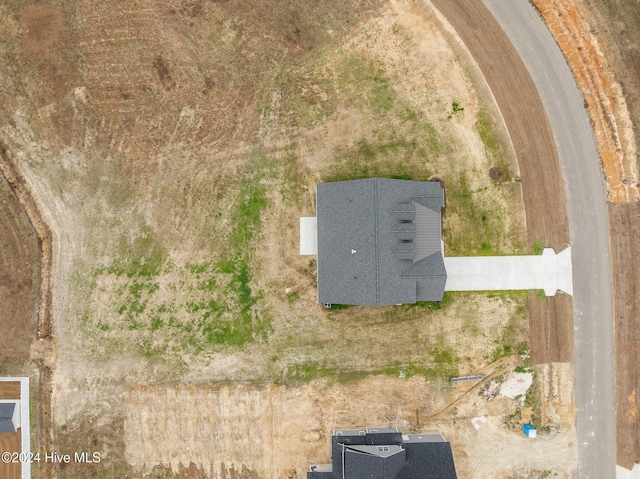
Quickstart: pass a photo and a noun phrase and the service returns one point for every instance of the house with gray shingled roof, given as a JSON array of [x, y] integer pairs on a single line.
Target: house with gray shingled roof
[[378, 241], [9, 416], [385, 453]]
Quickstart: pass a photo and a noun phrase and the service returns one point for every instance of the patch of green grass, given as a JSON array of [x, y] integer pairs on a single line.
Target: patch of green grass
[[293, 297], [310, 370], [222, 309], [368, 84], [512, 421], [512, 338], [379, 158], [339, 307], [433, 305], [538, 247], [142, 258], [246, 323], [461, 203], [490, 139], [455, 107], [479, 230], [521, 369], [252, 201]]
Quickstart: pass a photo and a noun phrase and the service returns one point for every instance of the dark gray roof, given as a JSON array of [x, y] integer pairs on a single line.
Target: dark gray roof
[[379, 242], [404, 457], [6, 417]]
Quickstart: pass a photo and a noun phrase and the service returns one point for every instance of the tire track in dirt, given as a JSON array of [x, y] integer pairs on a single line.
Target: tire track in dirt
[[625, 230], [43, 352], [551, 319], [19, 283]]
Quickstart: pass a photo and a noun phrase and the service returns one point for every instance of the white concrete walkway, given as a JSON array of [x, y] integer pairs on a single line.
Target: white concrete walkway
[[622, 473], [549, 272]]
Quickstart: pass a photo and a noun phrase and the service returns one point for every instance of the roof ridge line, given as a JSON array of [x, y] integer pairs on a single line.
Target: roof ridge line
[[375, 213]]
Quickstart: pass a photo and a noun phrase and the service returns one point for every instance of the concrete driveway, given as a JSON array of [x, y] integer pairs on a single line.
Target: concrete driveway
[[549, 271]]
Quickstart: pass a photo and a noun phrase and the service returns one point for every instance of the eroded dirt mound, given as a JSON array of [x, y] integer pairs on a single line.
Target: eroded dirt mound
[[573, 26]]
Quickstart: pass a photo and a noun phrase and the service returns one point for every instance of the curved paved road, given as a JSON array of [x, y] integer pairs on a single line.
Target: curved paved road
[[552, 89], [593, 316]]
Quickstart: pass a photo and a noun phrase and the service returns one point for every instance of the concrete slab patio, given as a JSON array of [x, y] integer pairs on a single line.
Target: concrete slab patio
[[548, 271]]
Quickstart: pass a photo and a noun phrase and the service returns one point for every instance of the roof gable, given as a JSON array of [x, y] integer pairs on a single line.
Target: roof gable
[[370, 232], [6, 410], [360, 454]]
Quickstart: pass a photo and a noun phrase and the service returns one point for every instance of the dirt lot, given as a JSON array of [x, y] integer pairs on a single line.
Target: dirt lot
[[10, 442], [248, 423], [173, 179], [542, 184], [574, 26], [19, 283], [620, 37], [601, 45], [9, 390], [626, 275]]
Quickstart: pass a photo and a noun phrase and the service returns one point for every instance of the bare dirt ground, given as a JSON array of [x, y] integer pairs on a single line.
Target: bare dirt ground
[[601, 53], [542, 186], [247, 424], [625, 232], [9, 390], [615, 23], [19, 282], [573, 25], [10, 442], [37, 320], [139, 140], [25, 339]]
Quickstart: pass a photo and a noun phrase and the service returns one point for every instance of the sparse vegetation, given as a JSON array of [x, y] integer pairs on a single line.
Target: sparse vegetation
[[183, 181], [513, 420], [538, 247], [521, 369]]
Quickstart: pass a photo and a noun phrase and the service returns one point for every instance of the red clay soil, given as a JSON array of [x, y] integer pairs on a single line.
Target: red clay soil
[[551, 319], [625, 231], [607, 108], [571, 23]]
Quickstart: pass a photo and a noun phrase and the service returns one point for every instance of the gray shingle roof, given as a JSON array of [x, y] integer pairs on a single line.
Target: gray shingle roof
[[408, 457], [379, 242], [6, 417]]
